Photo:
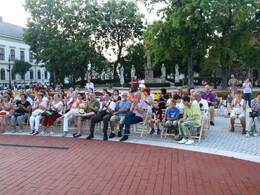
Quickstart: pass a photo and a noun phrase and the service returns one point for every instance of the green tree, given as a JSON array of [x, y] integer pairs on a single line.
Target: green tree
[[21, 67], [120, 27], [233, 22], [182, 33], [59, 33]]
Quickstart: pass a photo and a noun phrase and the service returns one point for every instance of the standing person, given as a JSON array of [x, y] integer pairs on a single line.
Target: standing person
[[247, 90], [122, 108], [233, 82], [137, 114], [163, 98], [211, 103], [105, 113], [141, 84], [89, 86], [192, 115], [135, 83], [21, 110]]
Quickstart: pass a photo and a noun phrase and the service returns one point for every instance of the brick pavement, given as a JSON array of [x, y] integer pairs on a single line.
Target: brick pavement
[[106, 167]]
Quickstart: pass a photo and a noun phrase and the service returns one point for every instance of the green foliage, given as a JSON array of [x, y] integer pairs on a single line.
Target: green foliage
[[157, 85], [21, 67], [119, 27]]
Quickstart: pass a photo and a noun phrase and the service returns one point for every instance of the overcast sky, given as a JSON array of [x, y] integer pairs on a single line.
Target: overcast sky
[[13, 12]]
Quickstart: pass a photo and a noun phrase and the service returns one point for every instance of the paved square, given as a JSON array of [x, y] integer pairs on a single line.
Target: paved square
[[106, 167]]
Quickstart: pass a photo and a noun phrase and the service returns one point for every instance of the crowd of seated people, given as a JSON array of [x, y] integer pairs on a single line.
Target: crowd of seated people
[[181, 112]]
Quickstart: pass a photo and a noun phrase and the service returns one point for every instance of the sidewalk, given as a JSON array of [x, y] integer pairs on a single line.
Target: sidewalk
[[106, 167]]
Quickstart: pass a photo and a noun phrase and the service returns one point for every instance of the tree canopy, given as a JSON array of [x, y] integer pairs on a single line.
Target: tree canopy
[[21, 67]]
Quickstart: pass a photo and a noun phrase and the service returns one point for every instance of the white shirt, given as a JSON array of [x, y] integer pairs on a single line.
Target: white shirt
[[112, 106], [90, 85]]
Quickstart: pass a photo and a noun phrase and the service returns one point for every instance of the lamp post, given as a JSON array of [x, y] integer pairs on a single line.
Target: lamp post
[[9, 70]]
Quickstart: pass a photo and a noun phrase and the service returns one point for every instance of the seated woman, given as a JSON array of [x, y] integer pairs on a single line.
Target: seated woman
[[21, 110], [5, 108], [174, 93], [163, 98], [56, 107], [116, 97], [148, 100], [38, 108], [74, 110], [254, 116], [238, 106], [173, 116]]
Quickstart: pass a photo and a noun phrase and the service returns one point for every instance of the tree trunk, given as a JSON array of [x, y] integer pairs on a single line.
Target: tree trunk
[[224, 76], [190, 72], [115, 73]]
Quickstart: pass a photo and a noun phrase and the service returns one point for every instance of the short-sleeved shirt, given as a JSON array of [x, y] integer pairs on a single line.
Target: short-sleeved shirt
[[141, 105], [123, 105], [162, 101], [111, 105], [171, 113], [26, 104], [94, 104], [56, 105], [157, 112], [209, 96], [256, 103], [193, 110]]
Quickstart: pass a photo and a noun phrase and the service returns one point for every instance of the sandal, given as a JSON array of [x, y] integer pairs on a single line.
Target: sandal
[[51, 133]]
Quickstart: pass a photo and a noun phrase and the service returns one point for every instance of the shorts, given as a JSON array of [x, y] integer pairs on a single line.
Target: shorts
[[171, 122], [116, 118], [236, 116]]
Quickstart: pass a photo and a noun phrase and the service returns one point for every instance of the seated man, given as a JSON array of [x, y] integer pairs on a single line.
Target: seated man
[[137, 114], [91, 108], [203, 104], [192, 117], [121, 110], [156, 117], [210, 98], [105, 113], [238, 106], [173, 115], [254, 116]]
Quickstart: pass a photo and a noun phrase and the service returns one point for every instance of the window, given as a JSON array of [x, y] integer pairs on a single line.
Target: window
[[2, 54], [39, 74], [2, 74], [22, 55], [31, 56], [31, 74], [12, 53], [46, 74], [13, 75]]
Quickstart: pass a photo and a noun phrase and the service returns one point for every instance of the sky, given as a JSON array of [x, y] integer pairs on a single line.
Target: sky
[[13, 12]]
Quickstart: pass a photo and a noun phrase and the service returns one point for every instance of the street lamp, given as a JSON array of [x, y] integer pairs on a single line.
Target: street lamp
[[9, 70]]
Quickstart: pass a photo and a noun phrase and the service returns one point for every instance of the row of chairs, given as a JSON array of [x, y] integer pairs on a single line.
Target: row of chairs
[[143, 128]]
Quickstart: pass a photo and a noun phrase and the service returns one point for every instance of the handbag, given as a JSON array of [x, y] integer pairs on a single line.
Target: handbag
[[49, 113], [16, 114]]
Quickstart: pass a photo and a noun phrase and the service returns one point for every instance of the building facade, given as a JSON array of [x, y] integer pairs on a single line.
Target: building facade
[[12, 47]]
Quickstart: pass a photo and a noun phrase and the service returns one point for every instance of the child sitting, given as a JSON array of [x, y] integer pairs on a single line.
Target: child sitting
[[156, 117], [173, 115]]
